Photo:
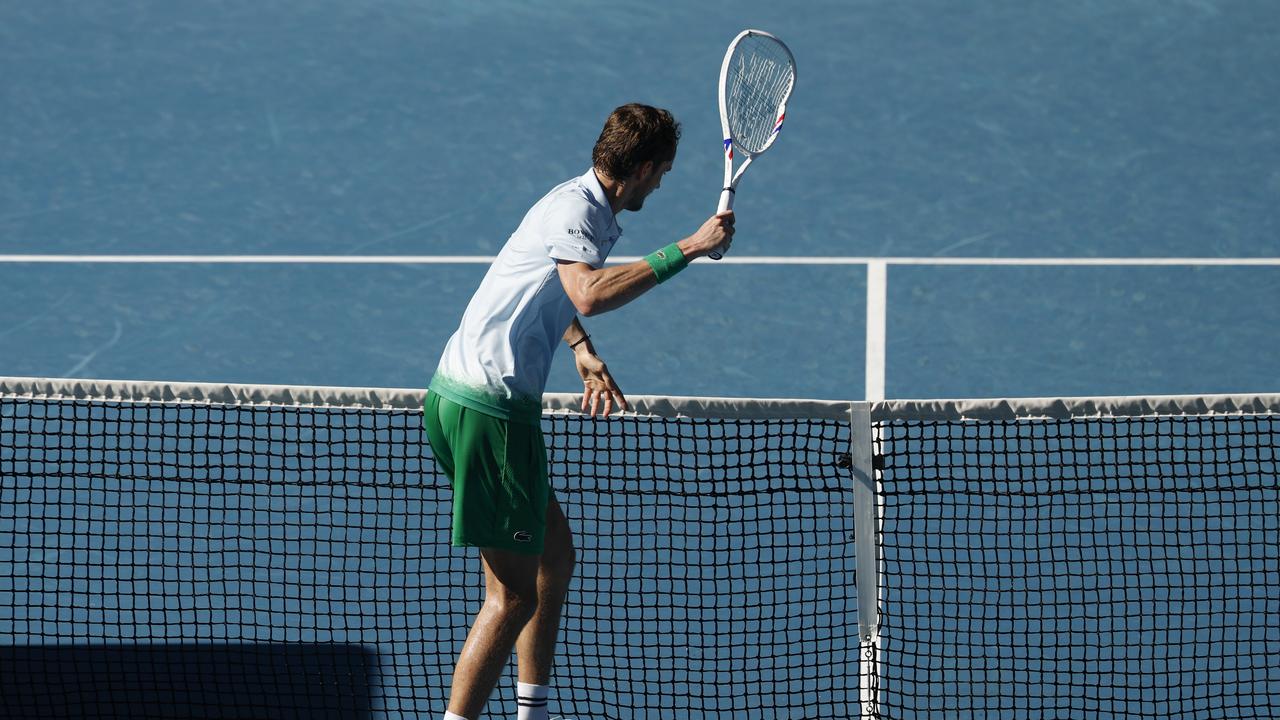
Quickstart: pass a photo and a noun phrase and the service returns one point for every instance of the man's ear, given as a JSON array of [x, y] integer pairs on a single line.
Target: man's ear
[[643, 172]]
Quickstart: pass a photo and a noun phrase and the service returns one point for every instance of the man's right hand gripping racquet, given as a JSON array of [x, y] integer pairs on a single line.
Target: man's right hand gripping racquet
[[756, 79]]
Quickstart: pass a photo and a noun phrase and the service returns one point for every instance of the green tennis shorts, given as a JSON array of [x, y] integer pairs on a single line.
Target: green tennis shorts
[[498, 469]]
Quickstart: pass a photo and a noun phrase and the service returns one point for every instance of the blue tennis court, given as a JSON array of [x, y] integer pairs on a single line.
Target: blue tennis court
[[1136, 129], [1070, 199]]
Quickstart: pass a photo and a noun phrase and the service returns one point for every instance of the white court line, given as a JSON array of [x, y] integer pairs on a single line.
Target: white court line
[[877, 305], [740, 260]]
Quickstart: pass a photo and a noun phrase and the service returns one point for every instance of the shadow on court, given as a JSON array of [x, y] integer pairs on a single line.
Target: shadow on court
[[188, 681]]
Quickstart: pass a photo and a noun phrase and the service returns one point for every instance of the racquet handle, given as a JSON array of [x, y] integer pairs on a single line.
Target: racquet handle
[[726, 203]]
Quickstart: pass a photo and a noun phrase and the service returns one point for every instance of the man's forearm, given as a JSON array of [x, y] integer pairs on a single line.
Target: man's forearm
[[612, 287], [597, 291]]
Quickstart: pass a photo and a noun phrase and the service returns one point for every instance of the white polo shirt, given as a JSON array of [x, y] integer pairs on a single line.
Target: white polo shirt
[[498, 360]]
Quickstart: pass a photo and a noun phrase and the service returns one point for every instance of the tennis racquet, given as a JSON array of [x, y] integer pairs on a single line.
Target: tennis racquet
[[756, 78]]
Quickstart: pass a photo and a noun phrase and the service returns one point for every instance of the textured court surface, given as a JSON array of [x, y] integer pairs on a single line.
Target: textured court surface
[[1104, 128]]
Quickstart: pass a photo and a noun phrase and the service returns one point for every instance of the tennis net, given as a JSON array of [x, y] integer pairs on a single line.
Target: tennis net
[[231, 551], [1104, 558], [194, 550]]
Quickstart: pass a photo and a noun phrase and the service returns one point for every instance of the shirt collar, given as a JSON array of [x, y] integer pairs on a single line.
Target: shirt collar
[[592, 184]]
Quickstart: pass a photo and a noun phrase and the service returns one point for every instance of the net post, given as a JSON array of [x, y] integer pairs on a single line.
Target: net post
[[866, 530], [877, 299]]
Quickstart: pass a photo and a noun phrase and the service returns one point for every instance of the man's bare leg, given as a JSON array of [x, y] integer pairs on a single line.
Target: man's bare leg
[[511, 599], [536, 647]]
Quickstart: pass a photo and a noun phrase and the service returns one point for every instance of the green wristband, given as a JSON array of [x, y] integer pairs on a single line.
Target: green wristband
[[667, 262]]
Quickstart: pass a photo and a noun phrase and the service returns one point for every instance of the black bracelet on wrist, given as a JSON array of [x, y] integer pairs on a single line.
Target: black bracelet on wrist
[[576, 344]]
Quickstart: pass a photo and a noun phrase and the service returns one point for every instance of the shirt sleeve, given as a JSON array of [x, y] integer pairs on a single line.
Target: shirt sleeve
[[569, 234]]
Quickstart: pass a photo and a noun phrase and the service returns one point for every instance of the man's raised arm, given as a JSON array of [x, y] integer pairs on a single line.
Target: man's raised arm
[[595, 291]]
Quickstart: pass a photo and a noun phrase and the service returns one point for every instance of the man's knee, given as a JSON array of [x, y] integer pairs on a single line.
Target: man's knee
[[518, 604], [511, 587]]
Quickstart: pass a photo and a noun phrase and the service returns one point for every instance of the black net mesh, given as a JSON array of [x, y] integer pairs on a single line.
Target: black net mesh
[[197, 559], [240, 561], [1101, 568]]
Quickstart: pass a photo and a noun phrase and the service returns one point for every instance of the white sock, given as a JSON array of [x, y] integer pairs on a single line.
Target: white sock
[[450, 716], [532, 700]]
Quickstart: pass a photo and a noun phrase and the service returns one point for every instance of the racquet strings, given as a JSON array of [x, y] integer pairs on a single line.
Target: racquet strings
[[759, 79]]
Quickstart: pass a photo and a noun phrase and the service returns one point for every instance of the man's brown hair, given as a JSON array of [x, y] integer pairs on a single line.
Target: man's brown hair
[[633, 135]]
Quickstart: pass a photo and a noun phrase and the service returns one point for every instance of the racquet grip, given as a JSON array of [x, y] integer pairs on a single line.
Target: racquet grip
[[726, 203]]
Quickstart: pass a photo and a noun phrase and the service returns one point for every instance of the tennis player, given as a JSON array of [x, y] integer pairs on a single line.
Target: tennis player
[[483, 407]]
